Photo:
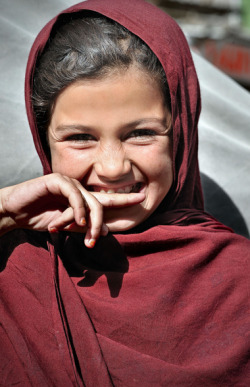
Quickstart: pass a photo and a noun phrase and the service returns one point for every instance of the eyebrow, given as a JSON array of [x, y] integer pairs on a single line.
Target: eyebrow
[[81, 128], [146, 121]]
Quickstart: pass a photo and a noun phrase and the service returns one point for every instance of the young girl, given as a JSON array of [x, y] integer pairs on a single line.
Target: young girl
[[134, 284]]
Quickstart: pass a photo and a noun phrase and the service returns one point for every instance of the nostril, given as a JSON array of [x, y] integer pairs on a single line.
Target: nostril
[[113, 168]]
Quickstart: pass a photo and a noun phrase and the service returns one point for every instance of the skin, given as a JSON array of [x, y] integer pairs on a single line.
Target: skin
[[105, 135]]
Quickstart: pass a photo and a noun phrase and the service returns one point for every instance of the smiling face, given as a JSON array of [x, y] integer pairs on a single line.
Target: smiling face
[[113, 136]]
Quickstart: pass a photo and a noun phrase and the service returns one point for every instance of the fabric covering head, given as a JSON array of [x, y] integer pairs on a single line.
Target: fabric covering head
[[163, 305], [169, 44]]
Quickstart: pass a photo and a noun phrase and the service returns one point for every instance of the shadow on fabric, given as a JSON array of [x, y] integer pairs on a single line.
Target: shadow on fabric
[[106, 259], [221, 206]]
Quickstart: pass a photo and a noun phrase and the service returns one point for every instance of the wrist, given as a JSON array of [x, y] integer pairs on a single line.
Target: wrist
[[6, 222]]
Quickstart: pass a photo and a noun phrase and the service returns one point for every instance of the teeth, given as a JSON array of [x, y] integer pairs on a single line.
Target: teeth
[[128, 189]]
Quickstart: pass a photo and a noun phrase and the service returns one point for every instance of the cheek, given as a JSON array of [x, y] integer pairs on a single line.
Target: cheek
[[162, 179], [68, 162], [59, 159], [161, 168]]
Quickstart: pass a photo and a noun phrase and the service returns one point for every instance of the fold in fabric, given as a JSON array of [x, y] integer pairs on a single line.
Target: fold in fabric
[[166, 314]]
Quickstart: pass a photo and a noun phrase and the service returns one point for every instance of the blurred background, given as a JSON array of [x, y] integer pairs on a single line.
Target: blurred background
[[217, 29]]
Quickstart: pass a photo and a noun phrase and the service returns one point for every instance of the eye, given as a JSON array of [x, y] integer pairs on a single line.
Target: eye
[[80, 137], [142, 133]]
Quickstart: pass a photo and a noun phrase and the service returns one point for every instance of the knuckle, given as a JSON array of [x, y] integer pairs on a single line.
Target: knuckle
[[96, 230], [95, 204], [75, 190], [112, 202], [76, 182], [99, 205], [56, 176]]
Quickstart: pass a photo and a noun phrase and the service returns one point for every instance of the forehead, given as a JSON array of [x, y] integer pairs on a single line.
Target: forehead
[[130, 94]]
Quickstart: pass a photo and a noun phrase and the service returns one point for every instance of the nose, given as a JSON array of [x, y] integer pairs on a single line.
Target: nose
[[111, 162]]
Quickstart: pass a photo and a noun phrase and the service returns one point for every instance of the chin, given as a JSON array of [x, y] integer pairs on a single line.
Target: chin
[[122, 225], [124, 219]]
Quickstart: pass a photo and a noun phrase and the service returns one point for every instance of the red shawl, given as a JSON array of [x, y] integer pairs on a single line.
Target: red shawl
[[164, 305]]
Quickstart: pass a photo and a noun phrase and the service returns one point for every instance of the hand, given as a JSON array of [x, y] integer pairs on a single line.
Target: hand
[[55, 202]]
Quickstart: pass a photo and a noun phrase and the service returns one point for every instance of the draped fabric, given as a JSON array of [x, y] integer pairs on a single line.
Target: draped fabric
[[165, 38], [165, 304]]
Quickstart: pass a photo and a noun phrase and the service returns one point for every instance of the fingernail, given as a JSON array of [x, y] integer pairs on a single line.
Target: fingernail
[[91, 243], [53, 230], [72, 225], [83, 222]]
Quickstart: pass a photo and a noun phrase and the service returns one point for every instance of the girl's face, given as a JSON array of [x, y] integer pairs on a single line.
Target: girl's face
[[113, 135]]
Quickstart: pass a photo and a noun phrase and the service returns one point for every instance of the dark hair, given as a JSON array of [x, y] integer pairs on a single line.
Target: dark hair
[[85, 46]]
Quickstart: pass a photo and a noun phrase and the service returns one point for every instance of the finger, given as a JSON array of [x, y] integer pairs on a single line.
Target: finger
[[96, 201], [64, 221], [83, 203], [119, 200], [105, 230], [67, 187], [73, 227], [95, 219]]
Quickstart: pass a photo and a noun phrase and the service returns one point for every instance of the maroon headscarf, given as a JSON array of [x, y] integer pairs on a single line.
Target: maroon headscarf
[[167, 41], [166, 304]]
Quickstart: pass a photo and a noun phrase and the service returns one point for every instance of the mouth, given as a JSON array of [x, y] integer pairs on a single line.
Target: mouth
[[132, 188]]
